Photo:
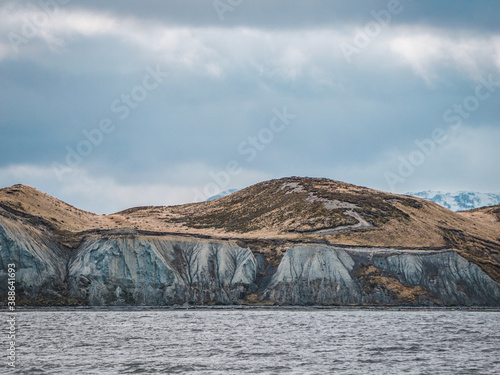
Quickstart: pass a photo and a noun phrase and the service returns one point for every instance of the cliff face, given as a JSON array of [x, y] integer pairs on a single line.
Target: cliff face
[[160, 271], [334, 276], [40, 263], [166, 270]]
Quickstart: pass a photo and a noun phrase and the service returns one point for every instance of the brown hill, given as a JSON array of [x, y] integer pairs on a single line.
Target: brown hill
[[27, 200], [277, 212], [34, 208]]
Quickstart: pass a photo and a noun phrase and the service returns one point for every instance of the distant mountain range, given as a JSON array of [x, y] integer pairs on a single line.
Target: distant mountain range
[[459, 201], [222, 194]]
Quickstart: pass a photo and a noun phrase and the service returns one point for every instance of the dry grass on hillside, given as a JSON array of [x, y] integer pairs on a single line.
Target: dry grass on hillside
[[291, 208], [486, 217], [61, 215]]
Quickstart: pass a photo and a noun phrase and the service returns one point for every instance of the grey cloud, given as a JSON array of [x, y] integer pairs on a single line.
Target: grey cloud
[[306, 13]]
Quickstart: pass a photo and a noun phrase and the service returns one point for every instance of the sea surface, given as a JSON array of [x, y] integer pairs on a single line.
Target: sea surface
[[255, 341]]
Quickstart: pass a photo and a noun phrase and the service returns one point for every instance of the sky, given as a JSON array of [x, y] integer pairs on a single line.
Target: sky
[[116, 104]]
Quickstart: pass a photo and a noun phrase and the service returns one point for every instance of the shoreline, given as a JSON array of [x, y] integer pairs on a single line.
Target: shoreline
[[247, 308]]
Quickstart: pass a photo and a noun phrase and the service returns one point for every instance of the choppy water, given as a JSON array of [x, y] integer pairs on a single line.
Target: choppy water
[[258, 342]]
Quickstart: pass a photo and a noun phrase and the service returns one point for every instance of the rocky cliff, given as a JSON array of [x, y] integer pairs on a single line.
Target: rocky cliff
[[333, 276], [40, 263], [125, 269], [338, 252], [122, 270]]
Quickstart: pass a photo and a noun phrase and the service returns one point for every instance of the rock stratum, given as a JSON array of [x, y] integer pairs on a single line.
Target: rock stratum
[[292, 241]]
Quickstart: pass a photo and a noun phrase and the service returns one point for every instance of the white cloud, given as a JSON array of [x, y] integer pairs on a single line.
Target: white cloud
[[425, 50], [92, 193], [105, 195]]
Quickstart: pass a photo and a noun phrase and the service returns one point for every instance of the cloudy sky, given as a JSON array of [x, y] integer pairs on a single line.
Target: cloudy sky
[[114, 104]]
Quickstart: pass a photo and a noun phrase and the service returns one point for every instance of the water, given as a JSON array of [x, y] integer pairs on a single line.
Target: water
[[258, 342]]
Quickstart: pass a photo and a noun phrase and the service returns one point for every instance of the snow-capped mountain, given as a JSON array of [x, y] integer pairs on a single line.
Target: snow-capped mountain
[[459, 201], [222, 194]]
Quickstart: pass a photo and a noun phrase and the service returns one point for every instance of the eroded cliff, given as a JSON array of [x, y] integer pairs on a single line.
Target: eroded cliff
[[160, 271], [125, 269], [334, 276], [39, 262]]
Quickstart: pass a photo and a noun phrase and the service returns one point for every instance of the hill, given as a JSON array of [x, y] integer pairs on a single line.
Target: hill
[[272, 214], [286, 241], [326, 211], [29, 202]]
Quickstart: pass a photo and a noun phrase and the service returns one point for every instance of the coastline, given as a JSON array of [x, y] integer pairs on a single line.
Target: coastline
[[247, 308]]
